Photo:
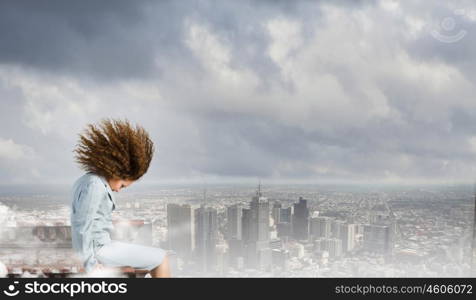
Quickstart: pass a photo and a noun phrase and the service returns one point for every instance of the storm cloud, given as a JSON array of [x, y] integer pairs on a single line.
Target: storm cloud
[[369, 91]]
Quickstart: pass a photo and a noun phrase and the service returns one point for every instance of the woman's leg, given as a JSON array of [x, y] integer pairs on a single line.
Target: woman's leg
[[161, 271], [118, 254]]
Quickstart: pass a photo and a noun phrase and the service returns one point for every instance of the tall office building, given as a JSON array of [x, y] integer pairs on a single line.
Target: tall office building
[[246, 225], [348, 232], [276, 212], [235, 233], [336, 228], [285, 215], [206, 237], [320, 227], [379, 238], [284, 226], [300, 220], [345, 232], [234, 219], [256, 234], [284, 229], [180, 229], [259, 207]]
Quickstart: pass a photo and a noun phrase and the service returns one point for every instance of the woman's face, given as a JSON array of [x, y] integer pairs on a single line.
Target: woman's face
[[117, 184]]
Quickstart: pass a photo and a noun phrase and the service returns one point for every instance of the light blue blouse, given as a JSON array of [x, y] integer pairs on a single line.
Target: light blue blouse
[[91, 216]]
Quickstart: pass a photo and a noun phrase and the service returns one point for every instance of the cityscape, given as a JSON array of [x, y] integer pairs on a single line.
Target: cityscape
[[262, 231]]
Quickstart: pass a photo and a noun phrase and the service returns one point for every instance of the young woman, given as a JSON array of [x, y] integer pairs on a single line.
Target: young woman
[[114, 155]]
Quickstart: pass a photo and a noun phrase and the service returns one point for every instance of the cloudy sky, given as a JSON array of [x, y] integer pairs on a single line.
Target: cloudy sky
[[305, 91]]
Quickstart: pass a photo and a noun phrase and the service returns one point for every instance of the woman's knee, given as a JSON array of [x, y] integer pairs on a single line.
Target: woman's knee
[[165, 260], [162, 270], [162, 260]]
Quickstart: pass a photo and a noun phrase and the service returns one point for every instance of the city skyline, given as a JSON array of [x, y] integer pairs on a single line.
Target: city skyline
[[233, 232]]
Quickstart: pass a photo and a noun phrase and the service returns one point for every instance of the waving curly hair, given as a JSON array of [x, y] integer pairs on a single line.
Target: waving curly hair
[[115, 149]]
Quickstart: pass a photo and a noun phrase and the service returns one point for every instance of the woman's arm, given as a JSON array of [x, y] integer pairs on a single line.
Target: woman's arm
[[85, 211]]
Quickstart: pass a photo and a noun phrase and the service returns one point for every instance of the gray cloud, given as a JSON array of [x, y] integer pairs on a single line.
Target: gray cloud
[[271, 89]]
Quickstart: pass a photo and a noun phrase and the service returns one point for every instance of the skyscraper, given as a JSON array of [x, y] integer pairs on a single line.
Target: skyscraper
[[345, 232], [320, 227], [235, 233], [301, 220], [180, 229], [246, 225], [276, 212], [379, 238], [206, 236], [234, 219], [348, 232], [284, 226], [256, 234], [259, 207], [285, 215], [336, 228]]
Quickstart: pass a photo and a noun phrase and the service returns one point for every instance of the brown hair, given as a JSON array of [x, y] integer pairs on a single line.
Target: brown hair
[[115, 149]]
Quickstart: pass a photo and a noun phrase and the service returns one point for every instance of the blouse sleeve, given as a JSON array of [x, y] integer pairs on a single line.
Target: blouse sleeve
[[87, 207]]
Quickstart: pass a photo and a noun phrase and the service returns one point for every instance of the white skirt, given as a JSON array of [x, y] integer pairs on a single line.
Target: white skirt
[[122, 254]]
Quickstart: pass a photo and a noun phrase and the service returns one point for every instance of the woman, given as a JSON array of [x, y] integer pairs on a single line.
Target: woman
[[114, 155]]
